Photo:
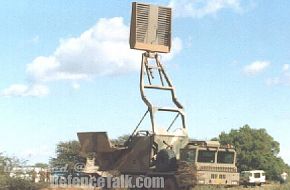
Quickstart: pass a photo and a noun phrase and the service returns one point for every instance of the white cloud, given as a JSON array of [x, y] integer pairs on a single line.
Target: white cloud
[[24, 90], [201, 8], [76, 86], [176, 48], [101, 50], [286, 67], [256, 67]]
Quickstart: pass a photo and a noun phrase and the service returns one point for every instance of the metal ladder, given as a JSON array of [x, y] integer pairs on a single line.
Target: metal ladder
[[146, 79]]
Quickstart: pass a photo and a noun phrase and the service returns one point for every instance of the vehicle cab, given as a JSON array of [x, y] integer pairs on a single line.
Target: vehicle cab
[[215, 164]]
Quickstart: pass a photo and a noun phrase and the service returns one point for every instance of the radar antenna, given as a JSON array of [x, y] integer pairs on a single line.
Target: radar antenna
[[151, 31]]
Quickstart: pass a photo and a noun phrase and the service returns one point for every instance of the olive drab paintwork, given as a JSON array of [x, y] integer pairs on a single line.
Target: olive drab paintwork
[[136, 156], [220, 170], [139, 153], [144, 151]]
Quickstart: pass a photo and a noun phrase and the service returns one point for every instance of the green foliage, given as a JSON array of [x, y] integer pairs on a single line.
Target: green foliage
[[120, 140], [256, 149], [9, 183], [68, 154], [22, 184], [3, 181], [41, 165]]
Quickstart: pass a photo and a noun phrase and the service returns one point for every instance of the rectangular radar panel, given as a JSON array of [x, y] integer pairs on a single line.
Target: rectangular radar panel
[[150, 28]]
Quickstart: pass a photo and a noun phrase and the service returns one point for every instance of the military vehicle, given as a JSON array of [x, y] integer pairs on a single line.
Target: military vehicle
[[215, 164], [159, 150]]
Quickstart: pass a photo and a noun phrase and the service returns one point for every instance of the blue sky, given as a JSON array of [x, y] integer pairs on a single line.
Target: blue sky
[[65, 67]]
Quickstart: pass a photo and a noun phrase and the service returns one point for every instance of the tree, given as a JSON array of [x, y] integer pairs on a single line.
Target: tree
[[15, 183], [3, 167], [68, 154], [256, 149], [41, 165]]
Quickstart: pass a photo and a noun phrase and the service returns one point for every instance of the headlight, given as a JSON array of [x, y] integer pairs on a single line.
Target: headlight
[[200, 181], [234, 183]]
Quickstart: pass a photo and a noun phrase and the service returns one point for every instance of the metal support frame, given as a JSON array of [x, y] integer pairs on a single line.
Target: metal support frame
[[164, 84]]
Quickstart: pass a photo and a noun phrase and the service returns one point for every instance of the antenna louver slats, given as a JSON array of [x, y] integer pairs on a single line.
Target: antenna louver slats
[[164, 17], [142, 22], [150, 28]]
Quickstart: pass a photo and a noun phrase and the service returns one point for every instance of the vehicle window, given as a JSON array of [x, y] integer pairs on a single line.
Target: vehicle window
[[263, 174], [257, 175], [188, 155], [206, 156], [225, 157], [222, 176], [214, 176]]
